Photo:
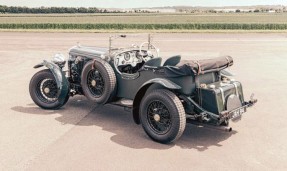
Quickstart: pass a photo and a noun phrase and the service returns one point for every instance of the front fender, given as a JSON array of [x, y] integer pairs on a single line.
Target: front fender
[[142, 90], [61, 80]]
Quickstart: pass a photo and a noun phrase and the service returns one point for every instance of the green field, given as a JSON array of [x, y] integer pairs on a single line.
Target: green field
[[122, 21]]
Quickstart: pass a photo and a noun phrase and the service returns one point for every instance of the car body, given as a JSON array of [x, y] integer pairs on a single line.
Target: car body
[[161, 97]]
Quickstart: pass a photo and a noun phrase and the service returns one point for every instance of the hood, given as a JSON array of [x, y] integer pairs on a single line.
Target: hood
[[87, 51]]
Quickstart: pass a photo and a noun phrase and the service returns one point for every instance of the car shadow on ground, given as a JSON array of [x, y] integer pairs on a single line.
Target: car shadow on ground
[[119, 122]]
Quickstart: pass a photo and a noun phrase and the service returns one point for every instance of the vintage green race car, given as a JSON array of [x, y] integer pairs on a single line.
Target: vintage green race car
[[161, 97]]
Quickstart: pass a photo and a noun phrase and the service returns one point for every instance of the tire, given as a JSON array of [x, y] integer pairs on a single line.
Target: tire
[[45, 98], [162, 116], [98, 82]]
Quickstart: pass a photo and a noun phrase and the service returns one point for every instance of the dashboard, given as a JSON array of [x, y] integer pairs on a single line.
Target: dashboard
[[131, 61], [129, 58]]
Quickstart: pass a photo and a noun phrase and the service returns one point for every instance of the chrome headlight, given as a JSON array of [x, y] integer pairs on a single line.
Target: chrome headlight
[[59, 59]]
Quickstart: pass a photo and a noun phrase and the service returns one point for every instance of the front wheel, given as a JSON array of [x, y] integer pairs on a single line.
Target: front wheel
[[43, 90], [162, 116]]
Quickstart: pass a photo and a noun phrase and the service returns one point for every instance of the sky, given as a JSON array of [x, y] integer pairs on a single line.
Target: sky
[[137, 3]]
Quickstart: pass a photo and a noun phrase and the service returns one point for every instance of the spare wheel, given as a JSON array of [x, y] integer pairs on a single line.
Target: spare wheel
[[98, 81]]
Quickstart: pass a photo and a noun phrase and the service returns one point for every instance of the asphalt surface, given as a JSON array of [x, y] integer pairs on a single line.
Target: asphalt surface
[[84, 136]]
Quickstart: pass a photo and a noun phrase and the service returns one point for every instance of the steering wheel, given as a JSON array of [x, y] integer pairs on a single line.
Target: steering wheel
[[150, 45]]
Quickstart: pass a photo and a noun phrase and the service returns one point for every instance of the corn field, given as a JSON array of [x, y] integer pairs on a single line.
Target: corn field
[[144, 21], [189, 26]]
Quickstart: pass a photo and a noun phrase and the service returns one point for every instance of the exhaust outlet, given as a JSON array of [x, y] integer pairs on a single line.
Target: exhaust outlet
[[223, 128]]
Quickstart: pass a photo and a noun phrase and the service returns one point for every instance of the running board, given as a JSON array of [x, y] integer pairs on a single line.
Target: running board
[[124, 103]]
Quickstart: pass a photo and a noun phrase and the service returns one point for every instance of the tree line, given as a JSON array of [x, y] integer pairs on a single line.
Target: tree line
[[259, 10], [49, 10]]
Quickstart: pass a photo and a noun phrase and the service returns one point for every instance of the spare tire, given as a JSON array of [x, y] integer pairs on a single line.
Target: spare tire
[[98, 81]]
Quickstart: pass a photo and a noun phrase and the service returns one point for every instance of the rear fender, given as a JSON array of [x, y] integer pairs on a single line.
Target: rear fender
[[165, 83], [61, 80]]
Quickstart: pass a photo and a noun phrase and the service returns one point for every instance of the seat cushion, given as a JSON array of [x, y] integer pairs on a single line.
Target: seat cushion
[[155, 62]]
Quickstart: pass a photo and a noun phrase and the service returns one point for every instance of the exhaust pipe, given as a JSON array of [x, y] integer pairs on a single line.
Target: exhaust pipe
[[223, 128], [220, 128]]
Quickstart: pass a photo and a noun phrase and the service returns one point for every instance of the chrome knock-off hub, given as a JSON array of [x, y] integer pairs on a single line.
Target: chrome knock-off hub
[[94, 83], [156, 117], [46, 90]]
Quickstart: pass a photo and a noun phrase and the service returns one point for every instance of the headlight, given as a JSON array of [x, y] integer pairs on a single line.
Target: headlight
[[59, 59]]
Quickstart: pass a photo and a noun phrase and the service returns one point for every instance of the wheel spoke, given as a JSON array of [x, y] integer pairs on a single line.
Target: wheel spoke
[[47, 90], [96, 88], [159, 117]]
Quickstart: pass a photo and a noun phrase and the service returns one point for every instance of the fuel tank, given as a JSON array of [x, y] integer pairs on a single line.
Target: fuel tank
[[220, 96]]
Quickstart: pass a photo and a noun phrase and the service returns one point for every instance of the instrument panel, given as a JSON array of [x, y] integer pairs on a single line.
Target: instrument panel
[[128, 58]]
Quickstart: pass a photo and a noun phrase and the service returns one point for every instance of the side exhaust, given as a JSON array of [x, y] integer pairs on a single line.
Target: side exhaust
[[220, 128]]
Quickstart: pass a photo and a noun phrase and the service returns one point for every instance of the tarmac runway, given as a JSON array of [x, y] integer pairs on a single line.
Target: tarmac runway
[[84, 136]]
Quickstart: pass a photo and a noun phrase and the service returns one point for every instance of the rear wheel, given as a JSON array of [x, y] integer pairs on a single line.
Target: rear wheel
[[98, 81], [43, 90], [162, 116]]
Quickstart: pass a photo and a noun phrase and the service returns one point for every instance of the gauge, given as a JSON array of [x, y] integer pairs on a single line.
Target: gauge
[[138, 55], [127, 56]]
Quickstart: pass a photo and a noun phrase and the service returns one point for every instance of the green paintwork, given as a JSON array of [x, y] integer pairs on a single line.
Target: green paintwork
[[211, 99], [197, 99]]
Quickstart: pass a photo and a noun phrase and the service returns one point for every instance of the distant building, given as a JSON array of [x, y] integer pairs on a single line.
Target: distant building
[[227, 10], [142, 10], [160, 10]]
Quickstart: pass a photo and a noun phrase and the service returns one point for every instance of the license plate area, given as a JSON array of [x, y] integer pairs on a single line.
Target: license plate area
[[237, 114]]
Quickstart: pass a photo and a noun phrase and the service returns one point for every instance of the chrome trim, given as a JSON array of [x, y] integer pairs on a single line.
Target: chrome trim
[[222, 95], [236, 89]]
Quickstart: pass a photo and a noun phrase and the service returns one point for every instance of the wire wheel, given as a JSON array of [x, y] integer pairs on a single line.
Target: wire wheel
[[47, 90], [162, 116], [96, 83], [159, 117], [44, 91]]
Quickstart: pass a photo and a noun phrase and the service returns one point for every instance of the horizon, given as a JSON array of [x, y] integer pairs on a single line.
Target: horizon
[[140, 3]]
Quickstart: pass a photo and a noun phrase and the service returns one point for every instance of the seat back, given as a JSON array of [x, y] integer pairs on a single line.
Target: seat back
[[155, 62], [172, 61]]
